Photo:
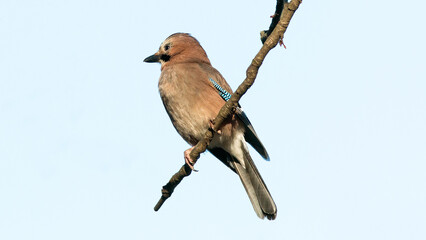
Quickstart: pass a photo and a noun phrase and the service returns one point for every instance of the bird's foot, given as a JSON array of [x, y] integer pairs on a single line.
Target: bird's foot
[[188, 159], [282, 43], [211, 126]]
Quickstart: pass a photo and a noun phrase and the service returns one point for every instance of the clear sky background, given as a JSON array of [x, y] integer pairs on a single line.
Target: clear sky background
[[86, 145]]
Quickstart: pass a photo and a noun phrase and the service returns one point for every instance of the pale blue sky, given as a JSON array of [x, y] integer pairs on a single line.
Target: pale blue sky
[[85, 144]]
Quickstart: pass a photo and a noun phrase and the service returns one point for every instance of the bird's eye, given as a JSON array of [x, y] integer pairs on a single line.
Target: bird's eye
[[167, 47]]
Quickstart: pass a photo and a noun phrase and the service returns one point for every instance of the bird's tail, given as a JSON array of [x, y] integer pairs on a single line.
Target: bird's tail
[[260, 198]]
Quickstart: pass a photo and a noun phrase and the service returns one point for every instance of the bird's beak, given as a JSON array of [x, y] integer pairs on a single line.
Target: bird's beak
[[152, 58]]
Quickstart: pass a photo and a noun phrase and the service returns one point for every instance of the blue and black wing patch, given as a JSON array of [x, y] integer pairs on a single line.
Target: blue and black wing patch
[[222, 92]]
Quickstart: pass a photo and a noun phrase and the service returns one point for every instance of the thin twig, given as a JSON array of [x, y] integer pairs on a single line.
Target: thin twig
[[228, 109]]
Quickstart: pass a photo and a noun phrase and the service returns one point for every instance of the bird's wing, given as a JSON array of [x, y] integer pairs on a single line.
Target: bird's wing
[[225, 91], [250, 134]]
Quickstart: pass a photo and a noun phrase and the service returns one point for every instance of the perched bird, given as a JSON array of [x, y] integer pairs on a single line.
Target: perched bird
[[193, 92]]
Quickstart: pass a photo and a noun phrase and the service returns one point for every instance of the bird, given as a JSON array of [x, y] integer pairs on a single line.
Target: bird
[[193, 92]]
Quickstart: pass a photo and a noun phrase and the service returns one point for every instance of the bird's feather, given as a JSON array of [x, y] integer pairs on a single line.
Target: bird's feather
[[223, 156], [256, 189], [250, 134]]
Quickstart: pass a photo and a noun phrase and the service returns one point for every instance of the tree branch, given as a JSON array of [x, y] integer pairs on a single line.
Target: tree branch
[[275, 19], [230, 106]]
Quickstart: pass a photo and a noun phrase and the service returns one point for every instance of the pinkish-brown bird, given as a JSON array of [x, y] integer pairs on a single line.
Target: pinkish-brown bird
[[193, 92]]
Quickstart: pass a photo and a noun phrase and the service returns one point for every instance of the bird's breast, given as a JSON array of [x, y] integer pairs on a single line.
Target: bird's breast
[[189, 105]]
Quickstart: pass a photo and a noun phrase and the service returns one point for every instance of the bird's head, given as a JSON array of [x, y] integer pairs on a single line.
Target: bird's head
[[179, 48]]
